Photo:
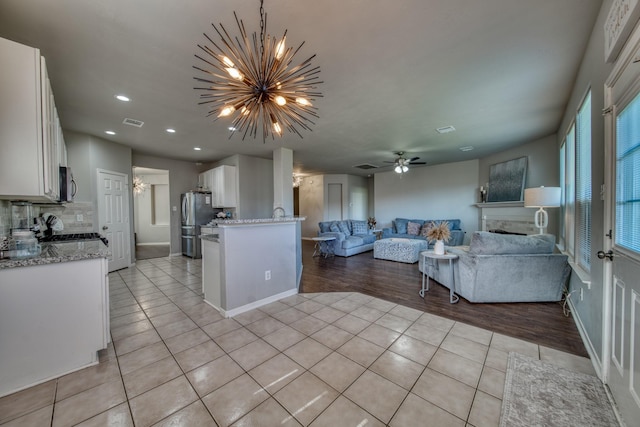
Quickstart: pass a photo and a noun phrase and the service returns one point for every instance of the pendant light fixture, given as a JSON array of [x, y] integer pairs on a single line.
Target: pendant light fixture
[[252, 81]]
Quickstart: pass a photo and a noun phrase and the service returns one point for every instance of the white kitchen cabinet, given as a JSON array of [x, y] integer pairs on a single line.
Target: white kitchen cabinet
[[30, 136], [223, 186], [53, 320]]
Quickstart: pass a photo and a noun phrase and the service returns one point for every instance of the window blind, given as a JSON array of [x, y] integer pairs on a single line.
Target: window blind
[[628, 176], [583, 185], [563, 190], [570, 193]]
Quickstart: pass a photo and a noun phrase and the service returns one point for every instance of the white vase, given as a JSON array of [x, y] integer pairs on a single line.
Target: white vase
[[438, 248]]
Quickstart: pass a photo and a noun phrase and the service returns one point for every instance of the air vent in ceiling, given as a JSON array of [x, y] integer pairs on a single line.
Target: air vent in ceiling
[[366, 166], [446, 129], [133, 122]]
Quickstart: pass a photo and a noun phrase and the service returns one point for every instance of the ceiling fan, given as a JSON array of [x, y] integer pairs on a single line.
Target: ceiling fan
[[402, 164]]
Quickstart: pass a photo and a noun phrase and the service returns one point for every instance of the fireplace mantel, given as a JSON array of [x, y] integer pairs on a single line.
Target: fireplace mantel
[[508, 216]]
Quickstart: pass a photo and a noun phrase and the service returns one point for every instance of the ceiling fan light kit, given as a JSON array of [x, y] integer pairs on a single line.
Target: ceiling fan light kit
[[401, 164], [252, 80]]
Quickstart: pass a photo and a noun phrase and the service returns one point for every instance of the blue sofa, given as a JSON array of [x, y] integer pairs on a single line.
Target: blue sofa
[[400, 229], [352, 236], [504, 268]]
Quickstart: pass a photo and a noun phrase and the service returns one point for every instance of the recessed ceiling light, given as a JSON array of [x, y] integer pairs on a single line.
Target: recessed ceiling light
[[171, 130], [197, 148], [109, 132], [446, 129], [122, 98], [467, 148]]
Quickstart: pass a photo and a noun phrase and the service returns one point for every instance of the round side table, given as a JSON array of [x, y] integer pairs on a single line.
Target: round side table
[[453, 298]]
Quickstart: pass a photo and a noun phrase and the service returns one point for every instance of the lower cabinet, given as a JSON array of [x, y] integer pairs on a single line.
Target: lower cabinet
[[53, 320]]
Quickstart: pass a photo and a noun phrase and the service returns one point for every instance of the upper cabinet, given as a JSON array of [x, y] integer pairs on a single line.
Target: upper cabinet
[[221, 181], [31, 139]]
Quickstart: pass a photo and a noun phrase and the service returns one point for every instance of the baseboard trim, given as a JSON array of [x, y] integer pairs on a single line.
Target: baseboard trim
[[152, 244], [253, 305], [595, 360]]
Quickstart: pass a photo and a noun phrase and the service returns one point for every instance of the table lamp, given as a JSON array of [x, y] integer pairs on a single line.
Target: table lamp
[[542, 197]]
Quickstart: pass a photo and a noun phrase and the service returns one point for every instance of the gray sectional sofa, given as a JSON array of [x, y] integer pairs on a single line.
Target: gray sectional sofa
[[352, 236], [504, 268], [401, 228]]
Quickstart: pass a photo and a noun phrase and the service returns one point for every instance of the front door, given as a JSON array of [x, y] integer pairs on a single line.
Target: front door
[[113, 217], [622, 222]]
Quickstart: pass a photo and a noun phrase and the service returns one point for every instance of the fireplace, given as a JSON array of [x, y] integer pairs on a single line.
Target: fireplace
[[509, 217]]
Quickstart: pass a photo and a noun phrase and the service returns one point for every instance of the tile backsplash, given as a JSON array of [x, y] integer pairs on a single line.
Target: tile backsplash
[[77, 217]]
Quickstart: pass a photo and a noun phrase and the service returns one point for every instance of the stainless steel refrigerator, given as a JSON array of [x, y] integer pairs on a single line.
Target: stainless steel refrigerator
[[196, 211]]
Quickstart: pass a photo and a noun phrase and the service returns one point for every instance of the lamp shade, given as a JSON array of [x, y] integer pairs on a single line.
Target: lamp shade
[[547, 197]]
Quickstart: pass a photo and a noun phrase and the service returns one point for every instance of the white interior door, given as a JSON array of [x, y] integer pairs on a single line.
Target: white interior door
[[113, 217], [622, 221]]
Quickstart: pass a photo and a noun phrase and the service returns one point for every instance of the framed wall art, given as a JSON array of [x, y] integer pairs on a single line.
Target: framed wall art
[[506, 180]]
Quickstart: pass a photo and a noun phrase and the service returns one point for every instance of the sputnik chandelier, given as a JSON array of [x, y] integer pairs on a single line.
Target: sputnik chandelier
[[252, 81]]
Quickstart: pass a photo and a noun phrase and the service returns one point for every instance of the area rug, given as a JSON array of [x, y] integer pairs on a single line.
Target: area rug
[[537, 393]]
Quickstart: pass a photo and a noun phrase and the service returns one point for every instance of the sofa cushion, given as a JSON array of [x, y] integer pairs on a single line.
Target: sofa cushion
[[366, 238], [485, 243], [324, 226], [413, 228], [352, 242], [344, 227], [334, 227], [400, 225], [359, 227]]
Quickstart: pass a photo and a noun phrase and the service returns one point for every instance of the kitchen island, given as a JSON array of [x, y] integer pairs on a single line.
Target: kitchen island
[[251, 262], [54, 313]]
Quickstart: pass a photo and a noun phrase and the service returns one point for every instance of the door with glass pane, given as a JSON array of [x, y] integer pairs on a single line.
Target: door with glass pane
[[623, 375]]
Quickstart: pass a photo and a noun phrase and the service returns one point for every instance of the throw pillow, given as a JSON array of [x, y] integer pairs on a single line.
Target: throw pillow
[[401, 225], [359, 227], [344, 228], [425, 229], [413, 228], [334, 227]]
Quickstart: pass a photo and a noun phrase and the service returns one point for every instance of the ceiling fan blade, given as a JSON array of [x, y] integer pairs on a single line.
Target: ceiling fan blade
[[417, 163], [413, 158]]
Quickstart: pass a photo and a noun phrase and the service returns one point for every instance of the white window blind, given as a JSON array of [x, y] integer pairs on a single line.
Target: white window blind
[[570, 190], [628, 176], [583, 185]]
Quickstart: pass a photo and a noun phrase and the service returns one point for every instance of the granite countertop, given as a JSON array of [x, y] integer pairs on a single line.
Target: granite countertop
[[61, 252], [223, 222]]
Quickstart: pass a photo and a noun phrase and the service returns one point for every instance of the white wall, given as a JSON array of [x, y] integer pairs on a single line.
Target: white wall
[[445, 191], [143, 205], [311, 204]]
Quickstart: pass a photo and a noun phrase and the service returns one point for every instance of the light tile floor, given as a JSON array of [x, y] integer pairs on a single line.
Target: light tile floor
[[326, 359]]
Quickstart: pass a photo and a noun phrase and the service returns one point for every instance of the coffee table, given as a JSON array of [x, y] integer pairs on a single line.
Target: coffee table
[[453, 298], [323, 246]]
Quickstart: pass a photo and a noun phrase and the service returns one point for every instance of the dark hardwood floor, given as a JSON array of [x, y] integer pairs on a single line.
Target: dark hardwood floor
[[152, 251], [542, 323]]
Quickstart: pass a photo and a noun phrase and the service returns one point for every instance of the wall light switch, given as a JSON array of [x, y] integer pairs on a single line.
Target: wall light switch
[[79, 217], [174, 208]]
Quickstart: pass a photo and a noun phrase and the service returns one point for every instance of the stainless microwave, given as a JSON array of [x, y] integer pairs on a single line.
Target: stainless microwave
[[68, 186]]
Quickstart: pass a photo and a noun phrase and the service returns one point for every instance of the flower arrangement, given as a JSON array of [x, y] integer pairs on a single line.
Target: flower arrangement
[[221, 215], [372, 222], [439, 231]]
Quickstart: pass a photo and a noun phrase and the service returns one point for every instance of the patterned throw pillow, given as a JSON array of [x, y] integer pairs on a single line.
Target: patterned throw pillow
[[425, 229], [359, 227], [413, 228], [334, 227], [344, 228]]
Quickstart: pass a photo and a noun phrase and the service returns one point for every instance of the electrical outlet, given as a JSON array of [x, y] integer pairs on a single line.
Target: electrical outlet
[[79, 217], [267, 275]]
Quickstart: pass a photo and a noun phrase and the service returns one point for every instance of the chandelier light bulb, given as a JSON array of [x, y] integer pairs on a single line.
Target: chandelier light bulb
[[276, 128], [280, 49], [227, 111], [303, 101], [234, 73], [226, 61], [280, 100]]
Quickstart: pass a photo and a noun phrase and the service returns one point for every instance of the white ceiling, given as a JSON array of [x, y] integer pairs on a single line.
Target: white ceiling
[[499, 71]]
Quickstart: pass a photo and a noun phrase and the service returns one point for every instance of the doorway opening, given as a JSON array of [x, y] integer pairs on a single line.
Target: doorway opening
[[151, 213]]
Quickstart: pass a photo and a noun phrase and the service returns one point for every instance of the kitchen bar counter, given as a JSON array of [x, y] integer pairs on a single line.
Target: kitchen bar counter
[[61, 252], [225, 222]]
